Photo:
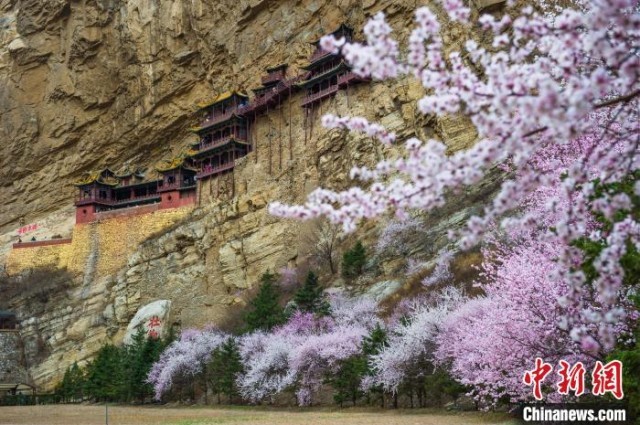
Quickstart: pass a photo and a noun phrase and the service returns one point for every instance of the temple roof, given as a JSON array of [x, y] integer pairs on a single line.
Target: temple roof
[[211, 149], [109, 178], [138, 183], [319, 77], [329, 56], [223, 96], [127, 171], [172, 164], [338, 32], [277, 67], [106, 177], [217, 124]]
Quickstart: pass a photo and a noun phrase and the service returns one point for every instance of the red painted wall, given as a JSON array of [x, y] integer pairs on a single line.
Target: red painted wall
[[173, 199], [176, 199], [85, 214]]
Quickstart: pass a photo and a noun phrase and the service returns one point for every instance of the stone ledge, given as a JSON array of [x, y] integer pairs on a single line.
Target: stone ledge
[[36, 244]]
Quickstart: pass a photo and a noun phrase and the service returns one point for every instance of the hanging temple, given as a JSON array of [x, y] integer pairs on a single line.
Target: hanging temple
[[223, 137]]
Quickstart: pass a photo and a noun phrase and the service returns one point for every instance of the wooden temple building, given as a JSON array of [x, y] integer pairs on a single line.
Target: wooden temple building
[[327, 72], [223, 134], [108, 190], [276, 86], [177, 184]]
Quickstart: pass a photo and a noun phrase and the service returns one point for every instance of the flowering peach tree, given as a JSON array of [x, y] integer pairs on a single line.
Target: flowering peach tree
[[545, 80]]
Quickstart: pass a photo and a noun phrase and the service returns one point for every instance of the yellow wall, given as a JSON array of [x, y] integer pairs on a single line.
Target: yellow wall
[[113, 240]]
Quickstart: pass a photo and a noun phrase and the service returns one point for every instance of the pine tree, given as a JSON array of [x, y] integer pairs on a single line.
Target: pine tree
[[372, 344], [76, 382], [266, 312], [353, 261], [140, 356], [225, 366], [346, 382], [105, 374], [310, 297], [64, 387]]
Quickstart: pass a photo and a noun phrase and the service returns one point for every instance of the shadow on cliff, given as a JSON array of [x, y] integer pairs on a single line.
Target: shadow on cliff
[[29, 293]]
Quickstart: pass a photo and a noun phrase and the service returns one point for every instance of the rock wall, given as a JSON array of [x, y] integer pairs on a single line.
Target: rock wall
[[94, 83], [12, 367], [97, 249]]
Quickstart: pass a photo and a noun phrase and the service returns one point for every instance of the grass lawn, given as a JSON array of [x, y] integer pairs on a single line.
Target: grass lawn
[[205, 415]]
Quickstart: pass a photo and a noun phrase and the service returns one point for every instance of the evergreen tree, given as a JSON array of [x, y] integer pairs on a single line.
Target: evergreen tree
[[266, 312], [225, 365], [353, 261], [140, 356], [105, 374], [346, 383], [310, 297], [64, 387], [76, 383], [371, 345], [117, 373]]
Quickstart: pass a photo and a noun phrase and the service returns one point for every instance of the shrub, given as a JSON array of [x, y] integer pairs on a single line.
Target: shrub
[[353, 261]]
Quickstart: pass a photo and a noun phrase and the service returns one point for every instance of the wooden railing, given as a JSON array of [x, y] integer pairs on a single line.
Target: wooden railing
[[175, 186], [136, 198], [221, 142], [91, 200], [348, 78], [319, 95], [273, 94], [319, 54], [239, 110], [271, 78], [214, 170]]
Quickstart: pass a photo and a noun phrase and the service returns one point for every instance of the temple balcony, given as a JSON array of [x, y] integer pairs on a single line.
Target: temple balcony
[[204, 147], [210, 171], [349, 78], [224, 117], [316, 97], [175, 186], [272, 96], [272, 78], [91, 200], [318, 55], [136, 199]]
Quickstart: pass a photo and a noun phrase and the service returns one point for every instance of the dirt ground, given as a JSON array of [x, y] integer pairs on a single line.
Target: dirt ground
[[125, 415]]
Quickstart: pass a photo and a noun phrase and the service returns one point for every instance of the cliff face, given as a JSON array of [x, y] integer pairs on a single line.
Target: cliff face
[[94, 83]]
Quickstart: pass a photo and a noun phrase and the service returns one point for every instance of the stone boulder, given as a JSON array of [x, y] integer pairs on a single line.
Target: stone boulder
[[152, 317]]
